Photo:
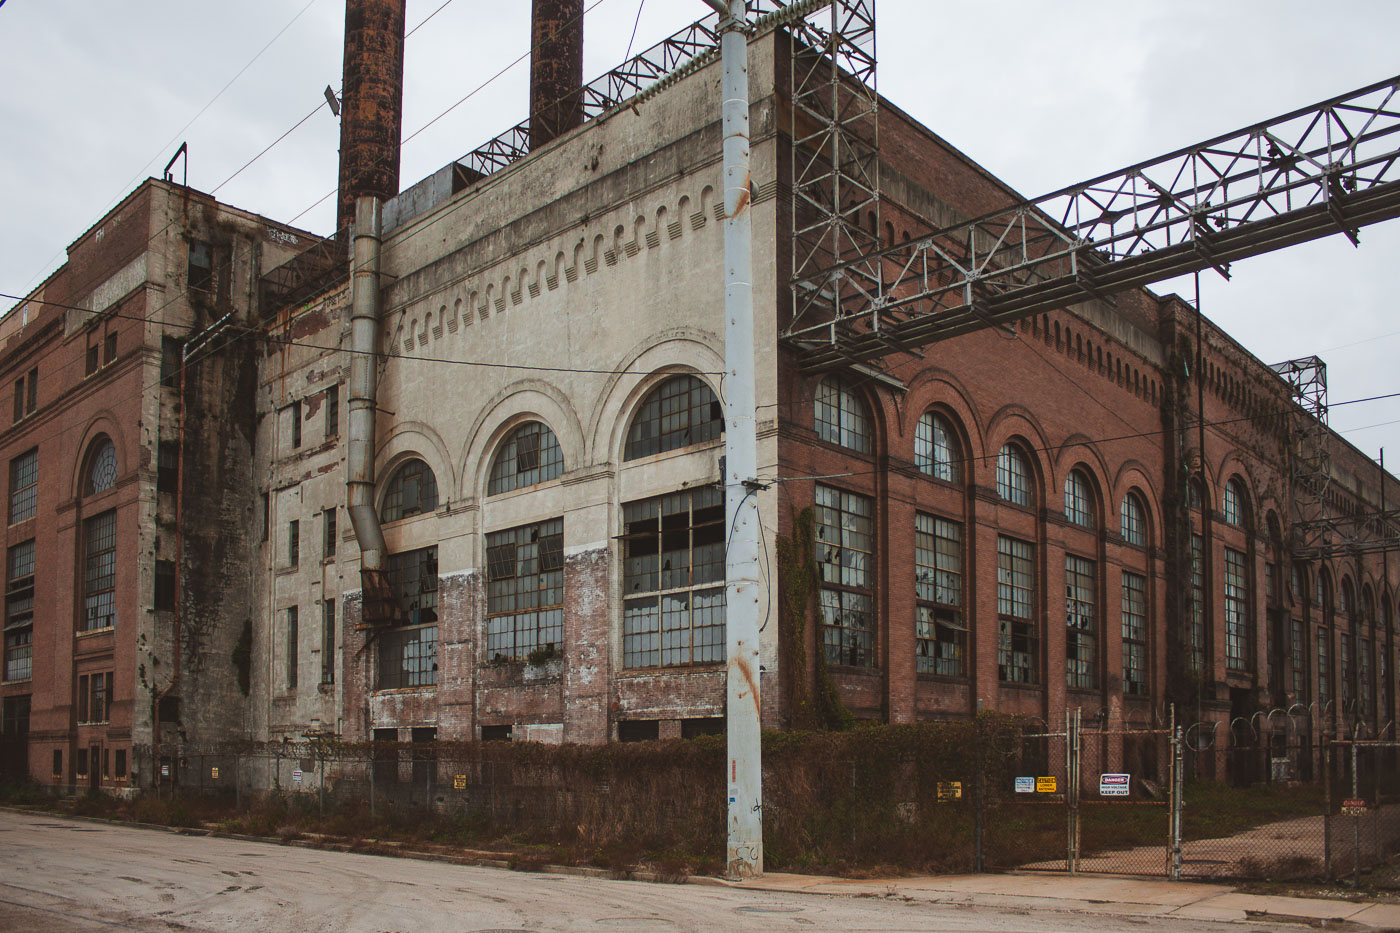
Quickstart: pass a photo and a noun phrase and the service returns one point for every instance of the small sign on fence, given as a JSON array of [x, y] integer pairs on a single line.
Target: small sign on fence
[[214, 773], [165, 770], [1354, 806], [949, 790], [459, 782], [296, 775], [1113, 785], [1025, 785], [1046, 785]]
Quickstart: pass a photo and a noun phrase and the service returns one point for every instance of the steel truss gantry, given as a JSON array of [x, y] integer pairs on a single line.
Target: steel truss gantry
[[1334, 166], [1309, 457]]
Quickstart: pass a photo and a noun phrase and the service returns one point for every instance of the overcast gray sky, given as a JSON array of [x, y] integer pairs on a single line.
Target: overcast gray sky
[[97, 94]]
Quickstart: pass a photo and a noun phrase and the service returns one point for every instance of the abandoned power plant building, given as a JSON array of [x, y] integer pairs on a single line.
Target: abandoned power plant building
[[1099, 506]]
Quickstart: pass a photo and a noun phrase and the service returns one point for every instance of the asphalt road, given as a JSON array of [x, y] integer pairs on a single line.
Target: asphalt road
[[70, 876]]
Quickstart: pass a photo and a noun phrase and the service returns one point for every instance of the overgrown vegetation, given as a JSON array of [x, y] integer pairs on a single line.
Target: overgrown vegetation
[[819, 708]]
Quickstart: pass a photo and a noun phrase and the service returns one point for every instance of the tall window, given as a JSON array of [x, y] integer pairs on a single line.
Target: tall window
[[940, 630], [408, 650], [1018, 641], [679, 412], [529, 455], [1346, 670], [1081, 632], [332, 403], [1198, 604], [24, 486], [1364, 684], [845, 545], [935, 450], [100, 571], [19, 612], [673, 580], [1132, 520], [328, 534], [525, 590], [1237, 648], [1134, 634], [292, 643], [1298, 660], [1014, 476], [841, 416], [102, 467], [1324, 666], [95, 697], [412, 490], [328, 641], [1236, 503], [1079, 500]]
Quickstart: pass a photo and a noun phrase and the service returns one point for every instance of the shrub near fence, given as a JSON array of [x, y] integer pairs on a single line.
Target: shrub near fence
[[868, 797]]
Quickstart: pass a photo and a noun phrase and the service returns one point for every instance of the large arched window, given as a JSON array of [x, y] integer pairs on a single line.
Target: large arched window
[[935, 450], [1079, 499], [1014, 476], [679, 412], [412, 490], [530, 454], [102, 467], [1132, 519], [1236, 503], [841, 417]]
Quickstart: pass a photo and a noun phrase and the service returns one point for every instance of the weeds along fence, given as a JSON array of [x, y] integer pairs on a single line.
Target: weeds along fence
[[995, 793]]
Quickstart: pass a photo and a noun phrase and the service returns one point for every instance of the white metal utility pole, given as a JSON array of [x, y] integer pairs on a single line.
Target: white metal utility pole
[[744, 595]]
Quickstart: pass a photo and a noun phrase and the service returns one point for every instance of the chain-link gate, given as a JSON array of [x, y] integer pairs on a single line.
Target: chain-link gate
[[1087, 799]]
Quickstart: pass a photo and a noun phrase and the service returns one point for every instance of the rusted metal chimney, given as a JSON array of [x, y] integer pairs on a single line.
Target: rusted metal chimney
[[556, 69], [371, 116]]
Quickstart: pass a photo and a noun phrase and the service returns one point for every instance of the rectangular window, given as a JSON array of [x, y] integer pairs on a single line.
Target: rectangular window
[[19, 398], [673, 580], [19, 612], [940, 629], [165, 585], [109, 348], [167, 466], [24, 486], [328, 534], [1346, 670], [99, 572], [266, 516], [80, 762], [525, 591], [1298, 661], [15, 712], [83, 702], [201, 267], [295, 410], [293, 543], [1134, 634], [57, 763], [845, 552], [1198, 604], [172, 351], [328, 641], [1081, 631], [1237, 647], [1324, 668], [1018, 641], [1364, 684], [31, 395], [120, 772], [292, 638], [408, 651], [332, 412], [101, 698], [91, 360]]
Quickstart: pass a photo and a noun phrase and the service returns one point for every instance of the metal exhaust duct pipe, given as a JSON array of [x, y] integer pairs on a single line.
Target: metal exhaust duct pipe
[[364, 388]]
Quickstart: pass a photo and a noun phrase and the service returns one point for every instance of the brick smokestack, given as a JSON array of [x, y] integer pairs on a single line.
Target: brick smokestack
[[556, 69], [371, 115]]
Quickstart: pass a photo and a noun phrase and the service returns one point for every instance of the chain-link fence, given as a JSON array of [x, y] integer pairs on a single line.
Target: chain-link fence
[[997, 793]]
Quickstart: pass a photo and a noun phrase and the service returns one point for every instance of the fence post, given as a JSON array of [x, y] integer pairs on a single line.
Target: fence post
[[1327, 806], [1178, 797], [321, 787], [237, 784], [373, 756], [1355, 820]]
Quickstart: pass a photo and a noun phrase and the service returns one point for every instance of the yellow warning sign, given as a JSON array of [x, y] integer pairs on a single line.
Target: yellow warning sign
[[214, 773], [459, 782], [1046, 785], [949, 790]]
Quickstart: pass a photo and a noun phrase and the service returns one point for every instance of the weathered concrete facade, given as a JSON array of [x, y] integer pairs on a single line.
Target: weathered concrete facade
[[130, 488]]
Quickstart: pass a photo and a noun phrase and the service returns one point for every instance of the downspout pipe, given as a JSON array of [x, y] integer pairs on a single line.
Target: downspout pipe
[[364, 382]]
